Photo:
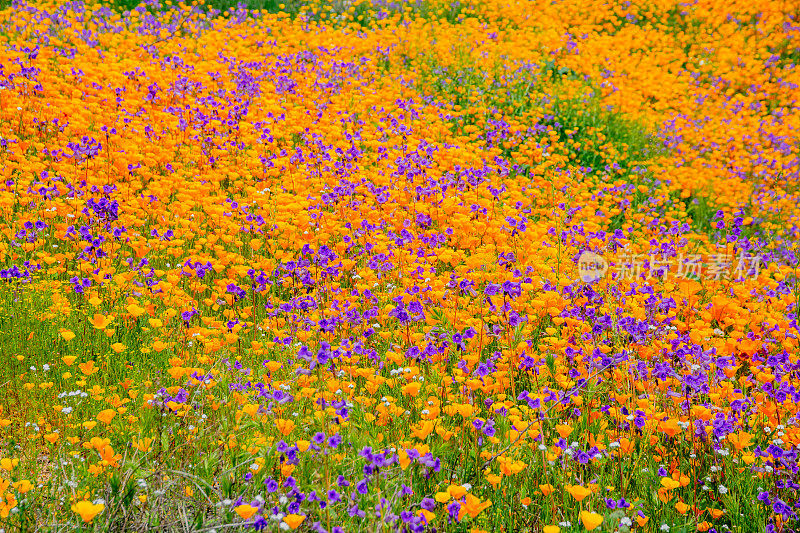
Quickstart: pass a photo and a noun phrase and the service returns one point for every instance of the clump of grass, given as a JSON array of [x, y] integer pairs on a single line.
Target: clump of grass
[[600, 138], [362, 13], [555, 104], [222, 6]]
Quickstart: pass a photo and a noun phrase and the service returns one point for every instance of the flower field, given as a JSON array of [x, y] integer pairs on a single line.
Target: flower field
[[493, 265]]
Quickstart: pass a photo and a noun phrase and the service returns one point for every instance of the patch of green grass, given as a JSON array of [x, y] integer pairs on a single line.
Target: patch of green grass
[[271, 6], [362, 12], [701, 209], [592, 134], [600, 135]]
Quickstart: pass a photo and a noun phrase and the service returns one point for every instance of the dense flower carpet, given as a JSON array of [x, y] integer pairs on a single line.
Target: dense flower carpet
[[493, 265]]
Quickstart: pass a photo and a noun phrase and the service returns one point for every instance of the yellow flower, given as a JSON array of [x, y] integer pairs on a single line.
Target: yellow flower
[[473, 506], [118, 347], [67, 335], [136, 310], [23, 486], [740, 440], [246, 511], [669, 483], [159, 345], [88, 368], [403, 459], [423, 430], [143, 445], [578, 492], [87, 510], [8, 464], [494, 479], [106, 416], [294, 520], [284, 426], [563, 430], [411, 389], [457, 491], [591, 520], [100, 321]]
